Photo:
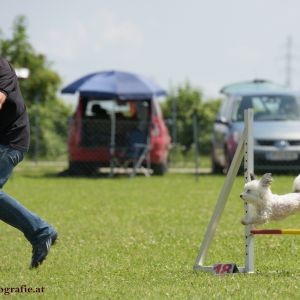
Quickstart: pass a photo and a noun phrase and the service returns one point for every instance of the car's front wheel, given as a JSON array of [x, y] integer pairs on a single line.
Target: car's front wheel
[[227, 162], [216, 167]]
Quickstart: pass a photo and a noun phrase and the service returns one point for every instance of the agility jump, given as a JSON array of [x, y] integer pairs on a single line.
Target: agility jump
[[244, 150]]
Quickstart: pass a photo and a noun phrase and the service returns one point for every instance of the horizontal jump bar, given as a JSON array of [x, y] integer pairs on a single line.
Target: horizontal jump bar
[[275, 231]]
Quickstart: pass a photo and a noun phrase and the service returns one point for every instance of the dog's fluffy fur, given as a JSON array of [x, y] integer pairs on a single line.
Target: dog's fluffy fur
[[268, 206]]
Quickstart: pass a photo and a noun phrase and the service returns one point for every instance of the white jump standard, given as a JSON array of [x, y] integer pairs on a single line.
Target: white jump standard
[[244, 149]]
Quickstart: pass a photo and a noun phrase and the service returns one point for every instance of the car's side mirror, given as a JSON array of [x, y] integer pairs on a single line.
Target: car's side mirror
[[222, 120]]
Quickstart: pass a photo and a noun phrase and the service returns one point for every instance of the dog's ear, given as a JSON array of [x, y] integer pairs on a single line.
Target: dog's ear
[[252, 176], [266, 180]]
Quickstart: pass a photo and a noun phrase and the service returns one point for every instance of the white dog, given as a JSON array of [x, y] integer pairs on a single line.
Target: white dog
[[268, 206]]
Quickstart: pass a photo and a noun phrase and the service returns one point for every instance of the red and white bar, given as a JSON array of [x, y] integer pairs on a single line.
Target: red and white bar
[[275, 231]]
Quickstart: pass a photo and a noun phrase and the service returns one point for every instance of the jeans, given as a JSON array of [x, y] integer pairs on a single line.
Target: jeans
[[11, 211]]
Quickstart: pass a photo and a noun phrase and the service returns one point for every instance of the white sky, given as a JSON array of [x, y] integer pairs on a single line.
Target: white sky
[[209, 42]]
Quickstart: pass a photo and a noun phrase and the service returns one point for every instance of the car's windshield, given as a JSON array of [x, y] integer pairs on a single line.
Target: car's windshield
[[267, 107]]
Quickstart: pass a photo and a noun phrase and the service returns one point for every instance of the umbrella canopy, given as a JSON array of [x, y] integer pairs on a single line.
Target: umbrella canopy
[[115, 84]]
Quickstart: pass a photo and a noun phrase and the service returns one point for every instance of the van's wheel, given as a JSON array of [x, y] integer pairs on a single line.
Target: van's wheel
[[74, 168], [82, 168], [159, 169]]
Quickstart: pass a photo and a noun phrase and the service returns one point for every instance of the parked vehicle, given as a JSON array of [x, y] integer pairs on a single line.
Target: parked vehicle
[[276, 126], [101, 130]]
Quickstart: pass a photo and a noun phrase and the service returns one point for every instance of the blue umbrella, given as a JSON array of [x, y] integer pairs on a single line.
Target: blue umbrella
[[115, 84]]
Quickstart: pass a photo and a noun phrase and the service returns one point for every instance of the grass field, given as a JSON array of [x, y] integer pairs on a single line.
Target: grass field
[[138, 239]]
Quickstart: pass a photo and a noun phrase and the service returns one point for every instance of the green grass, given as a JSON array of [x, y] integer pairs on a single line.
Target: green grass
[[138, 239], [178, 160]]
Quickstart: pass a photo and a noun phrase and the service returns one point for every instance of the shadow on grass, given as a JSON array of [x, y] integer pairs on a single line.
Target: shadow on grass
[[265, 274], [278, 273], [66, 174]]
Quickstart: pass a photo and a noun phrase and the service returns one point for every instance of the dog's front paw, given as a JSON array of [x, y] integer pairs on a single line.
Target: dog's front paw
[[244, 222]]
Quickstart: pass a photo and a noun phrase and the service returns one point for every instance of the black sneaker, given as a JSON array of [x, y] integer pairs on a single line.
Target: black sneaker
[[41, 250]]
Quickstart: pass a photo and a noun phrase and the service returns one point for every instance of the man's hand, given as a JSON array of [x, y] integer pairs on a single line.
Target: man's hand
[[2, 99]]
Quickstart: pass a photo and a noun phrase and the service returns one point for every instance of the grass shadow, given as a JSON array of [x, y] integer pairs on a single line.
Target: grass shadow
[[66, 174]]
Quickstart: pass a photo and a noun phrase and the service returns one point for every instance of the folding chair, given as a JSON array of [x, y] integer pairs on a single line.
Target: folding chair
[[139, 151]]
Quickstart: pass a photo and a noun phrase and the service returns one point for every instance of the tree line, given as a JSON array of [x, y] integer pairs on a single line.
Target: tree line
[[49, 114], [184, 103]]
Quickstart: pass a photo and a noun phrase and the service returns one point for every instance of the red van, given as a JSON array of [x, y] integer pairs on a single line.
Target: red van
[[102, 132]]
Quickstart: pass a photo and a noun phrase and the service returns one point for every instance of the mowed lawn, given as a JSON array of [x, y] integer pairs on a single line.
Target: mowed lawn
[[138, 238]]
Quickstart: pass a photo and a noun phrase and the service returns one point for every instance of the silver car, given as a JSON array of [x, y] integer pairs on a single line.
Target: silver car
[[276, 126]]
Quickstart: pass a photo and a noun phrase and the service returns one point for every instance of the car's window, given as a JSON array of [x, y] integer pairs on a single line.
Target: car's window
[[94, 107], [225, 109], [104, 109], [267, 107]]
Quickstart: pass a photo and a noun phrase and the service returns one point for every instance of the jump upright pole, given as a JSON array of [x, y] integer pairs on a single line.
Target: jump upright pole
[[248, 170]]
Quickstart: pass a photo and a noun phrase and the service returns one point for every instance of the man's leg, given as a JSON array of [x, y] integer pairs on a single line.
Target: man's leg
[[14, 213]]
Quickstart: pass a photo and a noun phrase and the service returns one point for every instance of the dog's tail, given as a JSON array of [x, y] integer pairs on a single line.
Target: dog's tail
[[296, 185]]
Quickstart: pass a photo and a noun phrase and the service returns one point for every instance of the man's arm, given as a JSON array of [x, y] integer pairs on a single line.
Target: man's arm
[[7, 80], [2, 98]]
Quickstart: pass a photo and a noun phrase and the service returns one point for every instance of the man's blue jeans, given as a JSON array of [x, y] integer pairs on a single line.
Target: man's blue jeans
[[11, 211]]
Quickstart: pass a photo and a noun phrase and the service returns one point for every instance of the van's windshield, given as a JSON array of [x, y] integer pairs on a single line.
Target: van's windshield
[[267, 107]]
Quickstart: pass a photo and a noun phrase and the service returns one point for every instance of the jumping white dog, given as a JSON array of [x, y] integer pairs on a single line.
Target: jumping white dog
[[268, 206]]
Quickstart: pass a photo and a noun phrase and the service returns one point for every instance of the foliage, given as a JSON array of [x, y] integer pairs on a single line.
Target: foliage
[[48, 114], [189, 103], [125, 239]]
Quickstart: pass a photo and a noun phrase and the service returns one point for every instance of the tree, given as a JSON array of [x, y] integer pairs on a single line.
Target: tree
[[45, 109], [189, 101]]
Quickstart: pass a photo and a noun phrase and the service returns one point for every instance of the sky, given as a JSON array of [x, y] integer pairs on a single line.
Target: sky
[[210, 43]]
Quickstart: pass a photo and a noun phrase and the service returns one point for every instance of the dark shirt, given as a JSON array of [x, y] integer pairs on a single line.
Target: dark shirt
[[14, 123]]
